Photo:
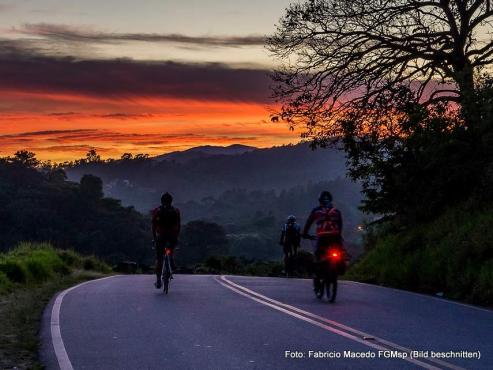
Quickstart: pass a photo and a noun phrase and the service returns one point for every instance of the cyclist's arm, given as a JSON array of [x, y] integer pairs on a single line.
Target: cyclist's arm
[[308, 224], [281, 241]]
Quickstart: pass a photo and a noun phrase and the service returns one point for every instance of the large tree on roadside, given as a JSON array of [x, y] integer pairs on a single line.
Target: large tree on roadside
[[343, 56]]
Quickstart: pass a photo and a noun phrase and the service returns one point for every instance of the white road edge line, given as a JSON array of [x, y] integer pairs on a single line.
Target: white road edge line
[[422, 295], [278, 305], [56, 335]]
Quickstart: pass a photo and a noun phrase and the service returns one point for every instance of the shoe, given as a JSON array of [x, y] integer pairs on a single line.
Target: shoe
[[158, 284]]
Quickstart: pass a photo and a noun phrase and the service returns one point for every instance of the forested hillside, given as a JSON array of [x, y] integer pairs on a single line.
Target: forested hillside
[[40, 205], [139, 181]]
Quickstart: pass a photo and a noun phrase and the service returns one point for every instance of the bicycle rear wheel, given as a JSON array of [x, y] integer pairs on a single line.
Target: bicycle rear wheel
[[166, 275]]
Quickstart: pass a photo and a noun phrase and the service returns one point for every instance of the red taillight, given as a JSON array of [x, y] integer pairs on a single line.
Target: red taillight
[[167, 251], [334, 254]]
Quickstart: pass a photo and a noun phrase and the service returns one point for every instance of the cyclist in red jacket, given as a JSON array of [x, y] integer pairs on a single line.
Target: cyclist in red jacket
[[328, 221]]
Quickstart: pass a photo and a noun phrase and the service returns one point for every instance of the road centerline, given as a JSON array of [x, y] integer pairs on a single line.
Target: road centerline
[[330, 325]]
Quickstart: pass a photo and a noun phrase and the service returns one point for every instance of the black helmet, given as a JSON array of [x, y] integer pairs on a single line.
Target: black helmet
[[166, 199], [325, 197], [291, 219]]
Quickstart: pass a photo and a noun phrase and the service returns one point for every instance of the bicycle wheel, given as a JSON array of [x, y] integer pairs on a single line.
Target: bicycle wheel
[[166, 275], [332, 286]]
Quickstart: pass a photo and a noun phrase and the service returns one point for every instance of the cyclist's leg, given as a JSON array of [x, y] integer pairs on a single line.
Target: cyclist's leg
[[285, 250], [317, 284], [172, 242], [333, 283], [291, 259], [159, 264]]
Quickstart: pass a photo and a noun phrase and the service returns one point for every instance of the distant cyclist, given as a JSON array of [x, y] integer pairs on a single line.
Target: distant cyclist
[[290, 241], [166, 223], [328, 222]]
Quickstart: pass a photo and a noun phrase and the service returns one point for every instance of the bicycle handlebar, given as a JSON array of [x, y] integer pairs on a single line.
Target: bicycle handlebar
[[309, 237]]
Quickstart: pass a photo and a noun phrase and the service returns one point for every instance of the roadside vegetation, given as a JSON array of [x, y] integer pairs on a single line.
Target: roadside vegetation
[[450, 256], [30, 275]]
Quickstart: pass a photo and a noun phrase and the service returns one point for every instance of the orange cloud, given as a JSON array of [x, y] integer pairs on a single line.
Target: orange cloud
[[60, 108], [153, 126]]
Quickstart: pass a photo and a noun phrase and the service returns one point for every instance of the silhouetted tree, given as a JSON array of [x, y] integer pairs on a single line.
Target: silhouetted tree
[[57, 175], [91, 187], [343, 56], [201, 239], [126, 156], [26, 159], [141, 156], [92, 156]]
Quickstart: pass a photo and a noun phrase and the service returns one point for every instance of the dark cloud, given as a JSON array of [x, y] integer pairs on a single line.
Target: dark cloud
[[76, 140], [72, 148], [62, 114], [45, 133], [124, 116], [119, 78], [72, 34]]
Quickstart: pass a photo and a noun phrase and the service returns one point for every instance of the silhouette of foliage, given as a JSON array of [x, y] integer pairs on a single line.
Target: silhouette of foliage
[[340, 57], [39, 205], [423, 159], [201, 239], [91, 187]]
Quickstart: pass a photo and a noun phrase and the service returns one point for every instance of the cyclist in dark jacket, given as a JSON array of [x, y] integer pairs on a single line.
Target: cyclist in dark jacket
[[166, 223], [290, 240]]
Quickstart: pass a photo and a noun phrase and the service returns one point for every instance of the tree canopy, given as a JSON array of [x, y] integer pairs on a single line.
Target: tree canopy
[[402, 85], [339, 56]]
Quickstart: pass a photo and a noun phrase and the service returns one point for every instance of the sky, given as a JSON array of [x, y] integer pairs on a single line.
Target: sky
[[148, 76]]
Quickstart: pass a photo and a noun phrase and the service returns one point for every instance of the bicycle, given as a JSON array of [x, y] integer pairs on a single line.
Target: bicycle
[[329, 266], [167, 271]]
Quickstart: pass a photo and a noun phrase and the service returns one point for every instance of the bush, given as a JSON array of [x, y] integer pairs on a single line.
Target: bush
[[453, 254], [239, 266], [32, 264], [14, 270], [70, 258], [93, 263], [5, 283]]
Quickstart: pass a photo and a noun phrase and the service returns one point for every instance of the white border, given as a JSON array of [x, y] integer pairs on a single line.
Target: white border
[[56, 335]]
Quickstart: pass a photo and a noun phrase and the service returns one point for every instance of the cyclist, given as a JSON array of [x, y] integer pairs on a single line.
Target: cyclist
[[328, 221], [290, 240], [166, 223]]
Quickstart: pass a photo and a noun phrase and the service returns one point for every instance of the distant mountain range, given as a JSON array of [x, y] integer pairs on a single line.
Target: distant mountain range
[[209, 171], [204, 152]]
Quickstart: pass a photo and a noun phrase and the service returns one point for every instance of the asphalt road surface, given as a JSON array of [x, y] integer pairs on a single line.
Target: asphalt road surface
[[231, 322]]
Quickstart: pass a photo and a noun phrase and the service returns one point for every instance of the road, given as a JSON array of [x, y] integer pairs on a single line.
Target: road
[[212, 322]]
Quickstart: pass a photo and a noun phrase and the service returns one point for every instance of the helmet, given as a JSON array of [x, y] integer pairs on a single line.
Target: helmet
[[325, 197], [166, 199], [291, 219]]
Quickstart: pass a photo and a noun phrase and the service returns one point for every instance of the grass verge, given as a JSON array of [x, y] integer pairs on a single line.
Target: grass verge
[[29, 276], [452, 255]]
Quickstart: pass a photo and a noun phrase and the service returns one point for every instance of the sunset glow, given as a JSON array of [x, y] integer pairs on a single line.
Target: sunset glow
[[134, 86]]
